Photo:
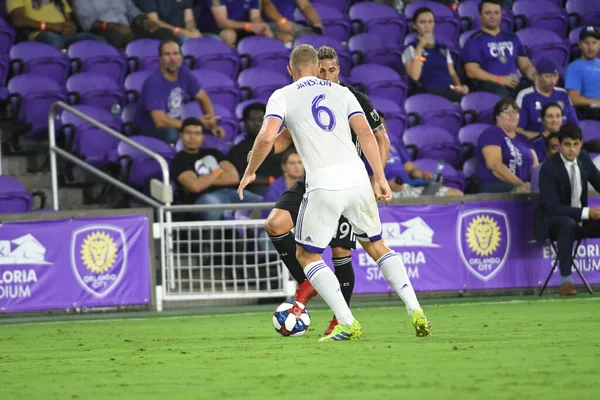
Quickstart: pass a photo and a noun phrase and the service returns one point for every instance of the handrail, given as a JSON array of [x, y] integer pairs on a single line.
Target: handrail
[[55, 150]]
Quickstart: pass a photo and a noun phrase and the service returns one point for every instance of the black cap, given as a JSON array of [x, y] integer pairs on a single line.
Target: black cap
[[589, 31]]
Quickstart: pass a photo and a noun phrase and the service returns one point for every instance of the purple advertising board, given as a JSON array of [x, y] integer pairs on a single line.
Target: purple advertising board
[[468, 246], [74, 263]]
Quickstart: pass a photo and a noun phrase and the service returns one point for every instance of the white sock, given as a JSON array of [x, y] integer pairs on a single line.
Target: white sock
[[326, 283], [394, 271]]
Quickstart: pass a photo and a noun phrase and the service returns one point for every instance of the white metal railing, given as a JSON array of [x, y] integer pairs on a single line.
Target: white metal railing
[[171, 267]]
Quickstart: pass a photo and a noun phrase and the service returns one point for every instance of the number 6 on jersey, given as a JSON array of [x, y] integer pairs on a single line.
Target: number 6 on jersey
[[317, 111]]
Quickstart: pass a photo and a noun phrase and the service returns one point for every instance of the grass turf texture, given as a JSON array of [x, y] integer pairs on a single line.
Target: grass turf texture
[[546, 349]]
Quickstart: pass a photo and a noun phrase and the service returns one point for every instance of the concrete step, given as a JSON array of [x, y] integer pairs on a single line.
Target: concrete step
[[14, 165], [36, 181], [68, 199]]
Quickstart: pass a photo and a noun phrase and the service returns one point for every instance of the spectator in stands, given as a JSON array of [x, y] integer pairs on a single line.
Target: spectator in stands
[[493, 58], [552, 120], [270, 169], [233, 21], [293, 170], [164, 94], [406, 180], [505, 158], [178, 16], [284, 25], [563, 211], [428, 62], [47, 21], [582, 78], [205, 176], [532, 100], [552, 144], [118, 21]]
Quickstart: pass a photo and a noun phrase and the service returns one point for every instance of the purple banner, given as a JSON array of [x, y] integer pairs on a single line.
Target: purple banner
[[74, 263], [480, 245]]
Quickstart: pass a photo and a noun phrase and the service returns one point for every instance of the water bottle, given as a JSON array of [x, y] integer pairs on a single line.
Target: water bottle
[[115, 110], [437, 175]]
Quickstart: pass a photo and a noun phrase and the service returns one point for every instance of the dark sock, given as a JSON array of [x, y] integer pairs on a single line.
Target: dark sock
[[345, 274], [286, 247]]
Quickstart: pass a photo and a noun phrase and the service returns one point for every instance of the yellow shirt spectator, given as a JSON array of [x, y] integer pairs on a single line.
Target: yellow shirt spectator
[[40, 10]]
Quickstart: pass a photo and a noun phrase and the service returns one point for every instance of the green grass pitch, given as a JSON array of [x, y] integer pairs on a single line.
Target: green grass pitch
[[543, 349]]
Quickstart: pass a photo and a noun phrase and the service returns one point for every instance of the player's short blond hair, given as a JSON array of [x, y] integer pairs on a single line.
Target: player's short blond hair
[[327, 53], [303, 56]]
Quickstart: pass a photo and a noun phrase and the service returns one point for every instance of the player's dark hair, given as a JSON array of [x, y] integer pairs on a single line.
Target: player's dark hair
[[287, 155], [166, 41], [327, 53], [570, 131], [548, 106], [420, 11], [192, 121], [503, 105], [496, 2], [551, 135], [251, 107]]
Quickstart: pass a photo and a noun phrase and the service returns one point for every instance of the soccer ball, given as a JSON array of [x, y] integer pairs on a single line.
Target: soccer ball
[[291, 319]]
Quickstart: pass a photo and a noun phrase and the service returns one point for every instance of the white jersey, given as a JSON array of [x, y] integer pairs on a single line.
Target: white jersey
[[317, 113]]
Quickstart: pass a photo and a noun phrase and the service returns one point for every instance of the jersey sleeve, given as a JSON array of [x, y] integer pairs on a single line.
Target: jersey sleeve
[[352, 105], [370, 112], [276, 106]]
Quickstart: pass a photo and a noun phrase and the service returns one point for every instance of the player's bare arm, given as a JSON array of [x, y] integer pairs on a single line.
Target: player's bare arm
[[383, 143], [262, 146]]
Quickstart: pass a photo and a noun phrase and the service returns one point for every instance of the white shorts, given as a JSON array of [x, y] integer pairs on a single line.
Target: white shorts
[[321, 210]]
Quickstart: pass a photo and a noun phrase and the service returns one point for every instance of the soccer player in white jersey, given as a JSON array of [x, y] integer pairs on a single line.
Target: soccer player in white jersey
[[319, 115]]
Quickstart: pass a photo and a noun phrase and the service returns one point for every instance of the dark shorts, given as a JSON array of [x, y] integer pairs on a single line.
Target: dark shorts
[[290, 201]]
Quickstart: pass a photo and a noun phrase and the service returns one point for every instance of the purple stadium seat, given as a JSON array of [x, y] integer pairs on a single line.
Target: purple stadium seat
[[219, 87], [128, 118], [137, 168], [134, 83], [470, 171], [227, 121], [541, 14], [396, 120], [4, 61], [239, 109], [535, 179], [7, 36], [258, 83], [584, 12], [99, 58], [211, 54], [94, 89], [447, 23], [381, 81], [369, 48], [379, 19], [14, 198], [429, 109], [543, 43], [336, 23], [142, 54], [342, 5], [452, 178], [469, 17], [590, 129], [342, 51], [263, 52], [39, 59], [465, 36], [432, 142], [479, 107], [33, 95], [468, 135]]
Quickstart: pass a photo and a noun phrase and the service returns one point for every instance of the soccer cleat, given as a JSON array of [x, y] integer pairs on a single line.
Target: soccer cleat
[[305, 292], [332, 325], [421, 324], [344, 332]]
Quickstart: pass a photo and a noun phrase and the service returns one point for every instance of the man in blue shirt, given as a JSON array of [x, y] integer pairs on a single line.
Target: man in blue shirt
[[233, 19], [164, 95], [284, 25], [582, 78], [492, 57], [533, 99]]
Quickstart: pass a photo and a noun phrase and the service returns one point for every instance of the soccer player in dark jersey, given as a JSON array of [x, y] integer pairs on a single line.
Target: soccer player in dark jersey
[[283, 217]]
